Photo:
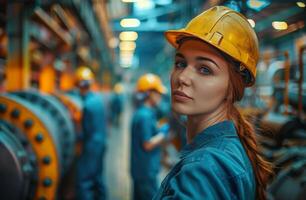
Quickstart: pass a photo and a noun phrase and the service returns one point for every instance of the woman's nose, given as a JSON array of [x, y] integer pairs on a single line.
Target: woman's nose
[[184, 77]]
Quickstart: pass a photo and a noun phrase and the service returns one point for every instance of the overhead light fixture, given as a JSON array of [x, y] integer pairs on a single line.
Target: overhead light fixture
[[300, 4], [129, 1], [128, 36], [279, 25], [141, 5], [258, 5], [131, 22], [252, 22], [126, 54], [127, 46], [126, 61]]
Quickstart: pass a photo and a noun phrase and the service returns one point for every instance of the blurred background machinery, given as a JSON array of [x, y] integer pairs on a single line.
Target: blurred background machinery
[[277, 110], [42, 42], [37, 147]]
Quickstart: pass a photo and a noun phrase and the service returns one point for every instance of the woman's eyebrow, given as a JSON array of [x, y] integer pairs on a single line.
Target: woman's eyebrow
[[179, 55], [201, 58]]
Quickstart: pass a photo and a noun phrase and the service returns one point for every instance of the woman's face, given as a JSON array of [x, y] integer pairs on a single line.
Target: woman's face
[[199, 80]]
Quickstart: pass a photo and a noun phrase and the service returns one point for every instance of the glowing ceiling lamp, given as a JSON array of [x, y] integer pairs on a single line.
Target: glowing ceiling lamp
[[300, 4], [141, 5], [279, 25], [252, 22], [127, 46], [130, 22], [129, 1], [258, 5], [128, 36]]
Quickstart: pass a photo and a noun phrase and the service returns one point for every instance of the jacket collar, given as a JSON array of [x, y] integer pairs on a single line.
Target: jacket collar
[[216, 131]]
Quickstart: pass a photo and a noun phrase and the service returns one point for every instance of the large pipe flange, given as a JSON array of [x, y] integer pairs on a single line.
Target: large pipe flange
[[74, 105], [32, 122], [16, 170], [61, 119]]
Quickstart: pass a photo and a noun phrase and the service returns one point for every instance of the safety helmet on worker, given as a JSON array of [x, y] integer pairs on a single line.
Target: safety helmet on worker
[[84, 76], [228, 31], [149, 82], [118, 88]]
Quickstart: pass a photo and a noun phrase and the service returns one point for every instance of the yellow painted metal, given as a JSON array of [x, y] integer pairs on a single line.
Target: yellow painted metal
[[41, 149], [225, 29], [52, 24], [47, 79], [66, 81], [17, 68], [17, 75]]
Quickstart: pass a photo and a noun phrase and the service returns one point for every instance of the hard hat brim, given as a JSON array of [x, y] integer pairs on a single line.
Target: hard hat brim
[[172, 36], [162, 89]]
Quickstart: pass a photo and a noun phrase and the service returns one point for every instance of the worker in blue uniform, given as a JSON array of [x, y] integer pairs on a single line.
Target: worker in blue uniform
[[146, 138], [216, 57], [90, 183], [116, 104]]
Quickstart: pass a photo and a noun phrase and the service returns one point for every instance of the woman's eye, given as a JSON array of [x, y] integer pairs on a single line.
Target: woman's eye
[[180, 64], [205, 70]]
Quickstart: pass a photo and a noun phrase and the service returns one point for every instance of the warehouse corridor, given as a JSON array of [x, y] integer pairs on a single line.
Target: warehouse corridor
[[117, 158]]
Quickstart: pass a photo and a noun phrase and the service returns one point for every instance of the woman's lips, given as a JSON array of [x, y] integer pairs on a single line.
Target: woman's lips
[[180, 96]]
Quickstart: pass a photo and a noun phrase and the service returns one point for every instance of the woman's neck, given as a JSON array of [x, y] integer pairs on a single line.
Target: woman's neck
[[197, 123]]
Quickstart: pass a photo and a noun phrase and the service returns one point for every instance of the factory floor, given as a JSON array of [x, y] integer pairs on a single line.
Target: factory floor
[[118, 181], [117, 161]]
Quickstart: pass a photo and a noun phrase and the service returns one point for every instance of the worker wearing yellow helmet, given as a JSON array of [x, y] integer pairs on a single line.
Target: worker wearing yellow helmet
[[146, 138], [216, 57], [90, 181], [84, 77]]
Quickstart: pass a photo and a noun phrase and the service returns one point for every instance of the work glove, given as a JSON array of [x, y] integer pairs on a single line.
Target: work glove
[[164, 129]]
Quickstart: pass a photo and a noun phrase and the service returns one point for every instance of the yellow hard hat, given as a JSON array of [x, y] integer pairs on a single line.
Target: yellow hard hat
[[228, 31], [118, 88], [84, 74], [150, 82]]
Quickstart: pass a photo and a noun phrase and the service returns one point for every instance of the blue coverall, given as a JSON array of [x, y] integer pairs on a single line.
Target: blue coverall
[[213, 166], [145, 165], [116, 107], [90, 182]]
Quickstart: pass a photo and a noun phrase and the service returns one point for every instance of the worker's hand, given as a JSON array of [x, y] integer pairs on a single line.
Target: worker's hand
[[164, 129]]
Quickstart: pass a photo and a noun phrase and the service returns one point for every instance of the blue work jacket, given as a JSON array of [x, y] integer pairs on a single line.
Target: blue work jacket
[[213, 166], [144, 164], [93, 120]]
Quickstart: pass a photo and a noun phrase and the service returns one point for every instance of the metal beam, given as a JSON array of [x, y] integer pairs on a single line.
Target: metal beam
[[53, 26], [90, 21], [18, 64]]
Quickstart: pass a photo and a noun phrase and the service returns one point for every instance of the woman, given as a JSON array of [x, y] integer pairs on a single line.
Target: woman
[[215, 60]]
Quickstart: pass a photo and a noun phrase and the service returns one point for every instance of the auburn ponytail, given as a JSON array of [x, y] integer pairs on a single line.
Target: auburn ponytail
[[262, 169]]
